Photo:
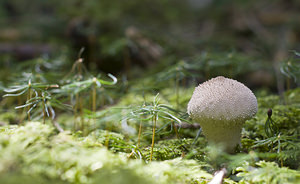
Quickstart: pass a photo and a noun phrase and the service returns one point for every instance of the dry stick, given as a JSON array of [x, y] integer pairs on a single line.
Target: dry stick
[[132, 152], [218, 176], [57, 126], [153, 136]]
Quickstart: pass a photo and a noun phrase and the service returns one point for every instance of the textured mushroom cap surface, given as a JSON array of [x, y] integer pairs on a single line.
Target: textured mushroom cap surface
[[222, 99]]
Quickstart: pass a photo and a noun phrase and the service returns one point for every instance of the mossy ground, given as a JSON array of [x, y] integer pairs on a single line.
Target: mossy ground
[[38, 153]]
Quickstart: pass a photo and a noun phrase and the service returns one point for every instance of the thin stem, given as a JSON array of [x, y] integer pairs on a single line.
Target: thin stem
[[139, 135], [76, 111], [19, 100], [94, 99], [44, 111], [107, 138], [177, 91], [288, 84], [80, 60], [28, 98], [279, 150], [132, 152], [81, 114], [94, 107], [177, 101], [175, 129], [153, 136]]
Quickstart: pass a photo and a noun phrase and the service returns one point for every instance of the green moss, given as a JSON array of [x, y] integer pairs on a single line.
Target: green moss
[[268, 101], [7, 118], [35, 151], [268, 172]]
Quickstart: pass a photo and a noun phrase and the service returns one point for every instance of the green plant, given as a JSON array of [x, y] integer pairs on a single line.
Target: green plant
[[270, 125], [280, 138], [153, 112], [30, 88], [46, 102], [79, 81], [76, 87]]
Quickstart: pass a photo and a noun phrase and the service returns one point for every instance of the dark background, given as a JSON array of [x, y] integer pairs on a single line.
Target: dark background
[[125, 37]]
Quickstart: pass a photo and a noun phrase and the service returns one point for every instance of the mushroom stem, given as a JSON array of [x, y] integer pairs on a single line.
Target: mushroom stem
[[217, 132]]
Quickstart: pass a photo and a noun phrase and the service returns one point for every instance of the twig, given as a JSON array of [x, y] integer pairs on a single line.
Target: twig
[[219, 176]]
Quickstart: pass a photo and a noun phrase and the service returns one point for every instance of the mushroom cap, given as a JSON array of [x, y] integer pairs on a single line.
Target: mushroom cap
[[223, 100]]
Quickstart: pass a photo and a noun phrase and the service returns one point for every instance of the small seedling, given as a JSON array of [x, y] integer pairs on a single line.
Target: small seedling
[[270, 126], [153, 112], [29, 88], [78, 82], [91, 84]]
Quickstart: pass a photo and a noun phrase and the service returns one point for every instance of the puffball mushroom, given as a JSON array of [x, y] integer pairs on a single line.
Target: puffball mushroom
[[221, 106]]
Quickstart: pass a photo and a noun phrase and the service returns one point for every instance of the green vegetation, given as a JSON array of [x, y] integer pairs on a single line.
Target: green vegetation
[[97, 91], [38, 151]]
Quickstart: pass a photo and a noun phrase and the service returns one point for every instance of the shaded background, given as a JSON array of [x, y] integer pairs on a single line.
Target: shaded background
[[129, 37]]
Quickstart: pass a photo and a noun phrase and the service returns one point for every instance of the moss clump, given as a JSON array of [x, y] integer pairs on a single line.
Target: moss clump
[[268, 172], [35, 151], [7, 118]]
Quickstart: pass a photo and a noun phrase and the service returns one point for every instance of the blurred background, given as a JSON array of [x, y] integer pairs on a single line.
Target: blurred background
[[247, 40]]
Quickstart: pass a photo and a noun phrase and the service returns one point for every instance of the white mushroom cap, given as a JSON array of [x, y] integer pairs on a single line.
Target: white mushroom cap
[[222, 99], [221, 106]]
